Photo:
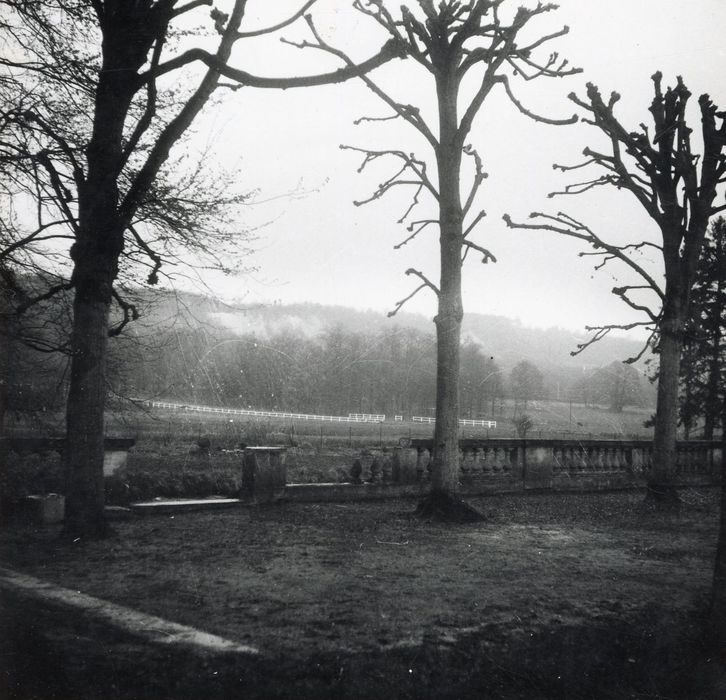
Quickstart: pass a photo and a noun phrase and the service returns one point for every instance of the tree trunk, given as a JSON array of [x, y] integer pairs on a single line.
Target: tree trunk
[[661, 488], [445, 474], [95, 254], [85, 413], [443, 501]]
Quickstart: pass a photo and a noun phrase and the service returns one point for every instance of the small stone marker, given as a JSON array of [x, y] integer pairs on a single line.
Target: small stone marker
[[44, 509]]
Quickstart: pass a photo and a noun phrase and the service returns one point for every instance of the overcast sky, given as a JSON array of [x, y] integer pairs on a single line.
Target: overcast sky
[[315, 245]]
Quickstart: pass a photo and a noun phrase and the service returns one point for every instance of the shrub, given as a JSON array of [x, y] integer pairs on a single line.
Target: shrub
[[25, 474]]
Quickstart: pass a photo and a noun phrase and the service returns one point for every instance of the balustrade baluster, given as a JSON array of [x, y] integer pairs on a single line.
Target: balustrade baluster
[[508, 458], [581, 456], [421, 462], [464, 461], [485, 459], [570, 458]]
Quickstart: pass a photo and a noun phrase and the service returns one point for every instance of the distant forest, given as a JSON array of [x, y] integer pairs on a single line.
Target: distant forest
[[312, 359]]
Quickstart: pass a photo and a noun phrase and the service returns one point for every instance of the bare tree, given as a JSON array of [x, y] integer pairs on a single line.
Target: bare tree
[[677, 188], [526, 382], [93, 104], [452, 41]]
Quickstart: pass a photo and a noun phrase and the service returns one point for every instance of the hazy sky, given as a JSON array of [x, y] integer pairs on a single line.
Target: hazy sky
[[317, 246]]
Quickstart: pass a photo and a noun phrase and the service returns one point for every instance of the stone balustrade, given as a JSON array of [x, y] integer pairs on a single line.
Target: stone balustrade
[[561, 464]]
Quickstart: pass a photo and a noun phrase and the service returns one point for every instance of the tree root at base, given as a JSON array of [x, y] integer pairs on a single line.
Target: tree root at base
[[662, 498], [444, 507]]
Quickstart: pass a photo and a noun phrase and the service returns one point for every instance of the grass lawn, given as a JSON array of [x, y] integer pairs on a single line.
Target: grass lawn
[[554, 596]]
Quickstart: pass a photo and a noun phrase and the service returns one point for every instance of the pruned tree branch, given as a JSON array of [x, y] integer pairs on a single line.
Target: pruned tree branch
[[130, 313], [425, 283], [567, 226], [280, 25], [479, 177], [409, 163], [599, 332], [528, 113], [487, 256], [415, 227]]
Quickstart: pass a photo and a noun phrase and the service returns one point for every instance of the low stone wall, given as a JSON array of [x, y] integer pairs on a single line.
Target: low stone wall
[[514, 465], [565, 464]]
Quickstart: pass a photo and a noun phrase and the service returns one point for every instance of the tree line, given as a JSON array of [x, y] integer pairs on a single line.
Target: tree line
[[334, 372]]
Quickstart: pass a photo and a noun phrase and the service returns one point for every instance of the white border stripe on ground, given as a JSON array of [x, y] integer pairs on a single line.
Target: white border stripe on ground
[[155, 629]]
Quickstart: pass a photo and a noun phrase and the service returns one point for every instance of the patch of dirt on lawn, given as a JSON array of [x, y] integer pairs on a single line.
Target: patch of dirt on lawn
[[366, 579]]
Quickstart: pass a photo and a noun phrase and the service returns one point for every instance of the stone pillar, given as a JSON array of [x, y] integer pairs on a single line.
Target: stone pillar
[[264, 474]]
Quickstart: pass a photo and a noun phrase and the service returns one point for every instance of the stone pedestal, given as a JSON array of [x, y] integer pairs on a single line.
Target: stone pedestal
[[264, 474], [403, 469]]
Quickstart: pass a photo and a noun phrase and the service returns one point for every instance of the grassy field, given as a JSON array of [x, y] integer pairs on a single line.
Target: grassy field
[[549, 419], [554, 596]]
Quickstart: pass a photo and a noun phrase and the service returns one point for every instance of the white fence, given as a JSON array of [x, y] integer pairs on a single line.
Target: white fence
[[350, 418], [462, 421], [367, 417]]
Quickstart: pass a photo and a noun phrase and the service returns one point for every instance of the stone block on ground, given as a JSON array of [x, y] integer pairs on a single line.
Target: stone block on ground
[[43, 509], [264, 474]]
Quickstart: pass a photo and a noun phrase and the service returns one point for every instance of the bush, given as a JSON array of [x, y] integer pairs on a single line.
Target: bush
[[25, 474], [144, 484]]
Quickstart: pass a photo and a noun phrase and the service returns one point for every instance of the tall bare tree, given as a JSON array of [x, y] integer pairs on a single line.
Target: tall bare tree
[[453, 42], [93, 104], [677, 187]]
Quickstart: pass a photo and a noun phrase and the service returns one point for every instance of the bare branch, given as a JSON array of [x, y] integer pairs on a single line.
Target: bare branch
[[423, 278], [487, 255], [479, 177], [279, 25], [622, 292], [399, 304], [568, 226], [537, 117], [193, 4], [600, 332], [130, 313], [409, 163], [48, 294], [389, 51], [396, 45], [416, 227], [153, 277], [475, 221]]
